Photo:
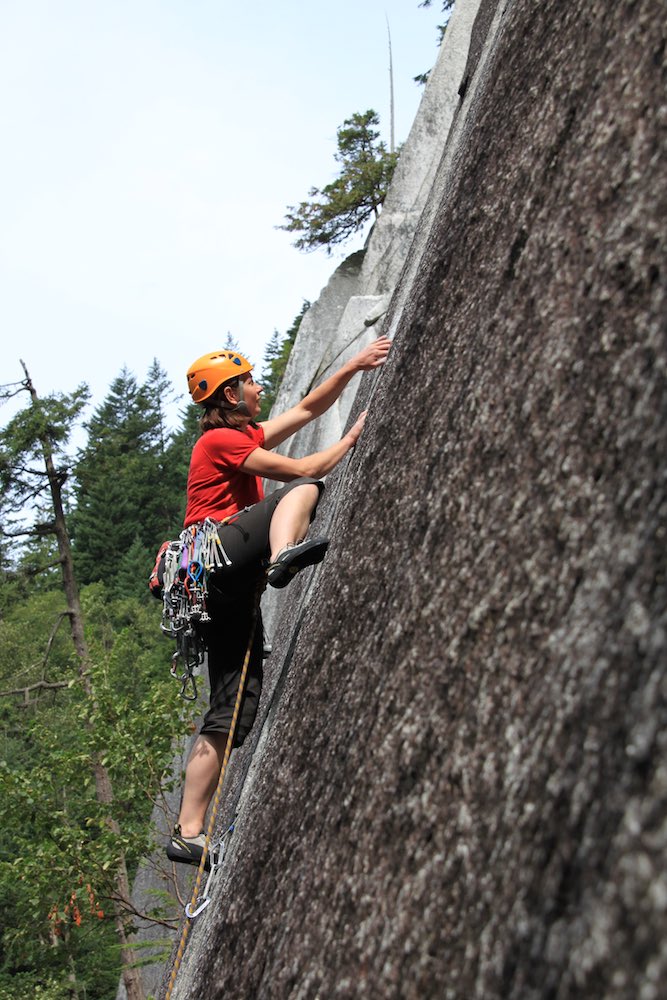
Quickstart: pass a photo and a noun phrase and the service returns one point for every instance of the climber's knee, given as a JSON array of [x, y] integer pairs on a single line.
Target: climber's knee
[[305, 487]]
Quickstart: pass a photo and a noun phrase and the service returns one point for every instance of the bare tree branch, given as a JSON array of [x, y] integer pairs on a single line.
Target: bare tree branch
[[129, 906], [5, 394], [25, 691], [31, 571], [54, 630], [47, 528], [29, 472], [31, 494]]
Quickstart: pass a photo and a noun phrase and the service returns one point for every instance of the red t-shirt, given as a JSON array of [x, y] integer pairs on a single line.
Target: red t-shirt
[[217, 485]]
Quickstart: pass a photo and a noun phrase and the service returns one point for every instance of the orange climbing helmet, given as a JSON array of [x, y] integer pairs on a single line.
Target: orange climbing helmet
[[207, 373]]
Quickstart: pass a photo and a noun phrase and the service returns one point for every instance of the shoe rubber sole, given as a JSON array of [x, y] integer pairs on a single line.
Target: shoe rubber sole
[[186, 854], [290, 562]]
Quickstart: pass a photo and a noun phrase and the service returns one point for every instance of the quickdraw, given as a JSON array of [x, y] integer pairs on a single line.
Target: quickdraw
[[216, 853], [185, 566]]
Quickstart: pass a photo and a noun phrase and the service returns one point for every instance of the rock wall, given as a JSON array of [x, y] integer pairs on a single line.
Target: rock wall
[[459, 778], [348, 313], [351, 310]]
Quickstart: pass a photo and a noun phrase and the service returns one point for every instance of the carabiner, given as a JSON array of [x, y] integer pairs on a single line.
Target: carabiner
[[189, 678], [195, 570], [216, 854]]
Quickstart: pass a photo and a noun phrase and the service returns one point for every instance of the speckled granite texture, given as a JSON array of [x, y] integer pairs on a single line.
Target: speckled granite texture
[[462, 792]]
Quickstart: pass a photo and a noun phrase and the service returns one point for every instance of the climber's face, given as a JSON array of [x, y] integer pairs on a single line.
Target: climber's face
[[251, 392]]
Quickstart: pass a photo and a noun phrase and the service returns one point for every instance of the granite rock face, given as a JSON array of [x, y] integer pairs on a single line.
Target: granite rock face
[[411, 185], [348, 313], [459, 786], [326, 333]]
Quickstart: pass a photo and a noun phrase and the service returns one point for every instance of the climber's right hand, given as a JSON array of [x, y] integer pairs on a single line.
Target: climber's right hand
[[357, 428]]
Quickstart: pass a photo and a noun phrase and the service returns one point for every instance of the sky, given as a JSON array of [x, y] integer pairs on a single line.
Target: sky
[[150, 149]]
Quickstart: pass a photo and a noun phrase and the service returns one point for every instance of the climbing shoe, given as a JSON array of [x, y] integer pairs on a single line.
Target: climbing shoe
[[296, 557], [188, 850]]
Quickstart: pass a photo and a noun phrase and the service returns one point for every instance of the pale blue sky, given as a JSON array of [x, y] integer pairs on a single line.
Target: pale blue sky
[[150, 147]]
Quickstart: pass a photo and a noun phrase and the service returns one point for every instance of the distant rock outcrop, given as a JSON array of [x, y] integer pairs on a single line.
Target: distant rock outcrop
[[458, 782]]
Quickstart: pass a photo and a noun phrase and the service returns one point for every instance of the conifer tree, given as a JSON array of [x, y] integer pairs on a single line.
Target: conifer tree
[[335, 212], [276, 357], [33, 440], [25, 483], [155, 394], [124, 493], [177, 462]]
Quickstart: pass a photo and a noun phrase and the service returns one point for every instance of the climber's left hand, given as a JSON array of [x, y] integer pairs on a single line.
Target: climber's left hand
[[372, 356]]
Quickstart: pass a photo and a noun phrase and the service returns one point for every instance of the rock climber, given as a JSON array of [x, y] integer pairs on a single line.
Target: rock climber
[[259, 535]]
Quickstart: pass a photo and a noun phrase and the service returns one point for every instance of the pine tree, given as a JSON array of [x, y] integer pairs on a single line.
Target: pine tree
[[25, 485], [125, 492], [177, 462], [276, 357], [338, 210], [37, 437], [155, 394]]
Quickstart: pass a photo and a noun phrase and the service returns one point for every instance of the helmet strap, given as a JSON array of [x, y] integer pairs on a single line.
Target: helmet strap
[[241, 407]]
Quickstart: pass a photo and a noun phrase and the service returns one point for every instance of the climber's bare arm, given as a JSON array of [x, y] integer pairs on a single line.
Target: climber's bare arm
[[270, 465], [318, 401]]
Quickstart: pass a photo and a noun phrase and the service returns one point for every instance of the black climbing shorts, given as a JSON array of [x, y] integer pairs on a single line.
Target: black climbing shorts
[[227, 637], [232, 594], [245, 541]]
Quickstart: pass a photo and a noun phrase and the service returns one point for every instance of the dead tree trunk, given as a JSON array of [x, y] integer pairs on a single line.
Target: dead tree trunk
[[103, 786]]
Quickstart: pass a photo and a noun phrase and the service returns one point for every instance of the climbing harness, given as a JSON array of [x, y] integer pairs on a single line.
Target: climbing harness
[[196, 905], [186, 564]]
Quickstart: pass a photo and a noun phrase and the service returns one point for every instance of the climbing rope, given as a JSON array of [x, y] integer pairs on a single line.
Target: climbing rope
[[331, 361], [191, 910]]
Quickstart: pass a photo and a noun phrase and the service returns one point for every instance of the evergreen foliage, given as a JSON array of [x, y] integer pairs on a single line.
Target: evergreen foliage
[[176, 463], [59, 853], [24, 484], [129, 492], [447, 8], [340, 209], [276, 357]]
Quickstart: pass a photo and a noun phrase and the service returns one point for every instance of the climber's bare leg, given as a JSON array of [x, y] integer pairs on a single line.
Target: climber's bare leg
[[201, 779], [291, 519]]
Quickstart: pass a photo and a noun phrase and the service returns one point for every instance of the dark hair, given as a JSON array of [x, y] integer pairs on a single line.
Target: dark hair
[[217, 411]]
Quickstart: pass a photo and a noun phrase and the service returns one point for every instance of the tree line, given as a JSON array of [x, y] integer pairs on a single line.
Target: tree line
[[88, 711]]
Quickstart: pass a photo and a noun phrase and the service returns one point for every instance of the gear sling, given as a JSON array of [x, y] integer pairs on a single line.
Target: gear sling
[[180, 578]]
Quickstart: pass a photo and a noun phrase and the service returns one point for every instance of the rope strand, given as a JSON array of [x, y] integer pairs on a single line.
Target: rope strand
[[218, 794]]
